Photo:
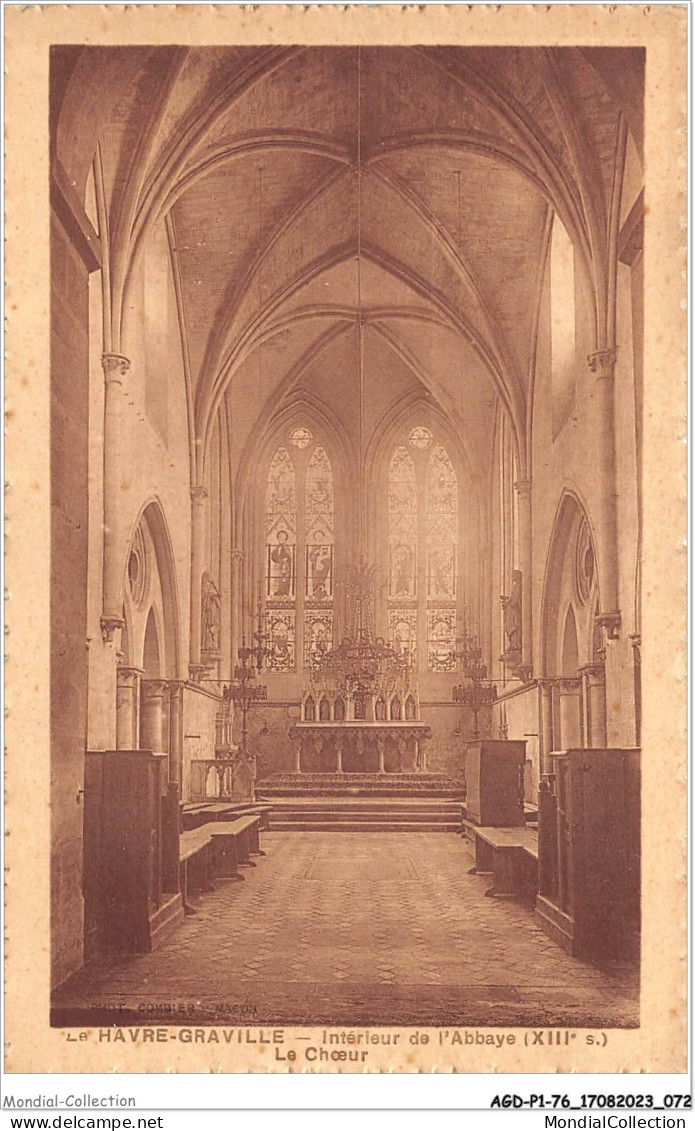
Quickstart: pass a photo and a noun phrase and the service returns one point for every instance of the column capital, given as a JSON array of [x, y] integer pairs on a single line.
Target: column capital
[[602, 363], [595, 673], [545, 685], [175, 686], [109, 627], [154, 688], [125, 677], [198, 494], [523, 488], [610, 622], [236, 555], [568, 686], [115, 366]]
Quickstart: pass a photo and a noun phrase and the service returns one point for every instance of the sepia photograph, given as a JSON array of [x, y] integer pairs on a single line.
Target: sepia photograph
[[347, 453]]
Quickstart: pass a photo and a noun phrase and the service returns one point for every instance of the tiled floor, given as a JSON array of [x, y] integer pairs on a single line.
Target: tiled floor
[[385, 928]]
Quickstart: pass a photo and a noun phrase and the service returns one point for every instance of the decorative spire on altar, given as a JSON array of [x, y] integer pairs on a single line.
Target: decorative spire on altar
[[361, 583], [362, 664]]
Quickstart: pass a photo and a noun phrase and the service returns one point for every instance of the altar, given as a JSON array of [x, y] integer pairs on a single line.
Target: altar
[[358, 747]]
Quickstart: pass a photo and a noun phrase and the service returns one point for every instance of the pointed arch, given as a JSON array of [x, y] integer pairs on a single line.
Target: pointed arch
[[280, 580], [563, 588], [151, 526]]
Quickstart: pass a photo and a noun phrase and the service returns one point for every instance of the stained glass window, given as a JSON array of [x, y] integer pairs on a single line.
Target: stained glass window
[[301, 438], [280, 565], [403, 632], [420, 437], [318, 556], [441, 639], [402, 498], [318, 634], [319, 527], [441, 532], [442, 525], [280, 628]]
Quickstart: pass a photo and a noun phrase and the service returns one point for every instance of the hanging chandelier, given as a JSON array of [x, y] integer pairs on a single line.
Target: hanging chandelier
[[361, 666]]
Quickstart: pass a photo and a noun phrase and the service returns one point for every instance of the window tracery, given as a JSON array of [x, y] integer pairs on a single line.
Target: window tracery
[[402, 497], [423, 536], [280, 577], [442, 543], [300, 544], [318, 557]]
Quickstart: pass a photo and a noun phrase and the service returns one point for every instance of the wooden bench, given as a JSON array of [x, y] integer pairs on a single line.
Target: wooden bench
[[244, 833], [195, 864], [511, 855], [216, 849], [198, 814]]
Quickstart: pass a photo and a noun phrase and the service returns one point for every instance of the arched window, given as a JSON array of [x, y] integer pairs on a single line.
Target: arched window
[[300, 539], [423, 537], [403, 551], [441, 506], [281, 560], [562, 324], [318, 556]]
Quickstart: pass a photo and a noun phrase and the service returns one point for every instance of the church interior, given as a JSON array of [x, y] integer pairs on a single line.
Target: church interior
[[346, 386]]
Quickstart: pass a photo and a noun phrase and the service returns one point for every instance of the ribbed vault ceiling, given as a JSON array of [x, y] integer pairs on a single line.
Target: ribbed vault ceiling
[[276, 169]]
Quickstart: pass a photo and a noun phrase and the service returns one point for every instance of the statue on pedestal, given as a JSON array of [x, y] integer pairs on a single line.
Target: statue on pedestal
[[211, 618], [511, 606]]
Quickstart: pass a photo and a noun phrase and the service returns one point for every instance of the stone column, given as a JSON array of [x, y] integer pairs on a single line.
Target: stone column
[[152, 716], [339, 755], [127, 689], [298, 757], [176, 687], [594, 676], [198, 496], [569, 698], [602, 363], [115, 367], [523, 491]]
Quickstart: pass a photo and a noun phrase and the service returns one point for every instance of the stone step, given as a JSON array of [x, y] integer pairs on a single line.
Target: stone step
[[332, 794], [352, 812], [363, 818], [344, 801], [376, 826], [360, 785], [420, 780]]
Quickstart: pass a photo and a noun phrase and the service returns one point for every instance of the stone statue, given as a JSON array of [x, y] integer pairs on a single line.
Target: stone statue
[[211, 615], [512, 615]]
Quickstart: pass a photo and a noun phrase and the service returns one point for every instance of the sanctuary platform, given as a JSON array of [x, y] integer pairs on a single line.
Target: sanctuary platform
[[364, 802], [360, 785]]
